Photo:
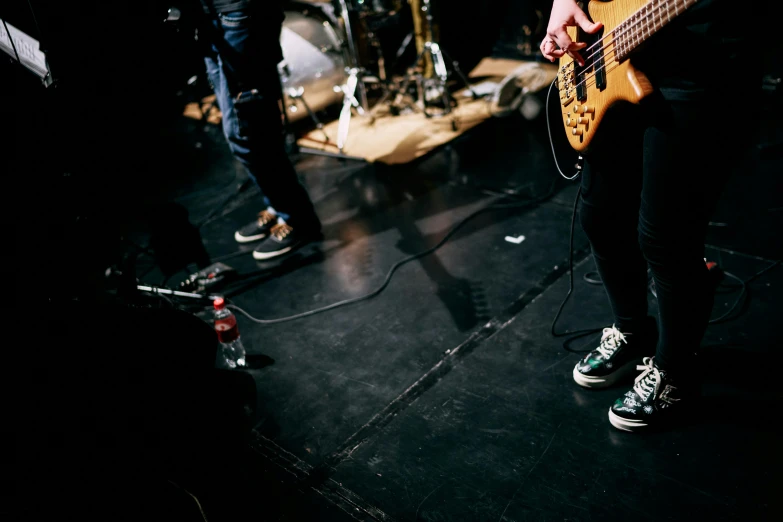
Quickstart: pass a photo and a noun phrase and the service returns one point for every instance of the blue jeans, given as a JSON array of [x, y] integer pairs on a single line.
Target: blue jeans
[[242, 69]]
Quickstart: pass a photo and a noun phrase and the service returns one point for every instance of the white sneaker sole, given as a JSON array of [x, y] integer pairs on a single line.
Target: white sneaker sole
[[625, 424], [247, 239], [269, 255], [587, 381]]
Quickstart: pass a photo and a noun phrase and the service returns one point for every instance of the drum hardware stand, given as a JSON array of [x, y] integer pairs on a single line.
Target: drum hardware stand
[[439, 58], [396, 91], [353, 85], [290, 95], [376, 45], [297, 93], [397, 105], [382, 80]]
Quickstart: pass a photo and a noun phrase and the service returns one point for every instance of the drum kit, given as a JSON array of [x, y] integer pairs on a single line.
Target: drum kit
[[338, 52]]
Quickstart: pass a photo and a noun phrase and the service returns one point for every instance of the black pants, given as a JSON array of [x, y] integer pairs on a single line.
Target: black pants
[[648, 190]]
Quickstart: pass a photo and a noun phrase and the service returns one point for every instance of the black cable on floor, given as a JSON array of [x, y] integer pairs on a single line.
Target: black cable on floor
[[493, 205], [597, 281], [744, 292], [574, 333], [743, 284], [763, 271], [387, 280]]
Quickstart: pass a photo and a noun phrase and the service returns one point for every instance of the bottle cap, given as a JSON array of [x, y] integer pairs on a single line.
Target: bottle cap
[[219, 303]]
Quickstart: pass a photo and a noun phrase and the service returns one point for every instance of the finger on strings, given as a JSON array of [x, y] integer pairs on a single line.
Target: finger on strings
[[561, 38], [577, 57]]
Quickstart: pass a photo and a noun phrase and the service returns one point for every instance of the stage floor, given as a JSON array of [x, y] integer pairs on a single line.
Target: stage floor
[[446, 398]]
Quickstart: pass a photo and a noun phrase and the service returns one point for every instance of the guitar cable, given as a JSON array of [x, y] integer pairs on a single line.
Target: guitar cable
[[492, 205], [576, 334], [579, 162]]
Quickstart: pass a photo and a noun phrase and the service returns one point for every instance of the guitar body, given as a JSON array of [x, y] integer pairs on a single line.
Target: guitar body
[[583, 111]]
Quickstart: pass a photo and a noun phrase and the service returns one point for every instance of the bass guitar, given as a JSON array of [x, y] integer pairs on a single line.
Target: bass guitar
[[608, 76]]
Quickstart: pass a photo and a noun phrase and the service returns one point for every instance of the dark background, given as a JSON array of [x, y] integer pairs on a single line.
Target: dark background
[[107, 406], [87, 162]]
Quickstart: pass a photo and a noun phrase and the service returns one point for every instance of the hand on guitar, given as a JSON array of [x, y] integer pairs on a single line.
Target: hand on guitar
[[566, 13]]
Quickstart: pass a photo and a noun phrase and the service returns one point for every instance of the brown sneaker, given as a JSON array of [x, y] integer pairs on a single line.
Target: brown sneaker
[[283, 239], [257, 229]]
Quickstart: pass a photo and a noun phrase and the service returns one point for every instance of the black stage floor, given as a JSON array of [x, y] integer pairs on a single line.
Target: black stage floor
[[446, 397]]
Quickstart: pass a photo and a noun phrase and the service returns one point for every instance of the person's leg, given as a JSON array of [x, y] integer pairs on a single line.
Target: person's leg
[[683, 178], [244, 61], [268, 162], [611, 187]]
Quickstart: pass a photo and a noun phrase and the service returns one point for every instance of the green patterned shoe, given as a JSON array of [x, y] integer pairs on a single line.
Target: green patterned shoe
[[655, 400], [616, 357]]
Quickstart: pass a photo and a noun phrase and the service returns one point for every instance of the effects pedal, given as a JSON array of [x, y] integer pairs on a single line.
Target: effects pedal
[[209, 279]]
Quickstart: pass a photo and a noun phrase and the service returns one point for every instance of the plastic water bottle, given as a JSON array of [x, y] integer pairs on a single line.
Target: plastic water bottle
[[232, 351]]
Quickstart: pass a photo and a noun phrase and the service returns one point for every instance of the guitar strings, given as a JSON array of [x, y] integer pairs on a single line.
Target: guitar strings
[[616, 36], [614, 50], [612, 34], [644, 20], [654, 9]]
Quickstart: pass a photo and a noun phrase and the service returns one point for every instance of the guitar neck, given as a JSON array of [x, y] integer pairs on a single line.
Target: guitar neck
[[645, 22]]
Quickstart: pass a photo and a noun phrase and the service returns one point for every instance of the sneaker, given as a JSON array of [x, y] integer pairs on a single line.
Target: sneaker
[[282, 239], [654, 399], [615, 358], [256, 229]]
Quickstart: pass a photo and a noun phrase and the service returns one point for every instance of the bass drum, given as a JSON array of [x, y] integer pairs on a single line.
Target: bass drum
[[314, 59]]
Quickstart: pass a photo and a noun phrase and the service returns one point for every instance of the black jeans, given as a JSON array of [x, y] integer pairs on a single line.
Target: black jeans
[[242, 68], [649, 187]]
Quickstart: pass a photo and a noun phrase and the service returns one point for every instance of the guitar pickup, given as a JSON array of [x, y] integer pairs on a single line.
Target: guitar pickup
[[600, 64], [594, 63]]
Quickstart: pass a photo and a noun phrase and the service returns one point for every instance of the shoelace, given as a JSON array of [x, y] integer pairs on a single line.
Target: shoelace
[[610, 341], [265, 217], [281, 230], [648, 381]]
